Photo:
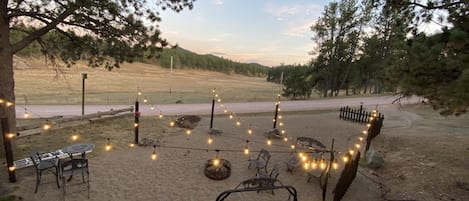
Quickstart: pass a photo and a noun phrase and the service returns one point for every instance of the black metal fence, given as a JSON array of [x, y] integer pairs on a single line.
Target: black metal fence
[[357, 115]]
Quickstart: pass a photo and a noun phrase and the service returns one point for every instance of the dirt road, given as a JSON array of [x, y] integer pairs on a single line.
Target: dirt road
[[205, 108]]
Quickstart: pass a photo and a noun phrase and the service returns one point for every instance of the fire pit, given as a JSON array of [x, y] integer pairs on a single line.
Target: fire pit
[[217, 172]]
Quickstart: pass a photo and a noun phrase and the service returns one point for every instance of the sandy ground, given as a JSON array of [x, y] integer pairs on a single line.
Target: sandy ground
[[129, 174], [425, 159]]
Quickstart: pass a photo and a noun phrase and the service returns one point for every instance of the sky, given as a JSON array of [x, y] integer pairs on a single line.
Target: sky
[[269, 32]]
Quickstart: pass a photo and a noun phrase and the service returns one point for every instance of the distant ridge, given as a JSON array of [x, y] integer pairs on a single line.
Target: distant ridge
[[185, 59]]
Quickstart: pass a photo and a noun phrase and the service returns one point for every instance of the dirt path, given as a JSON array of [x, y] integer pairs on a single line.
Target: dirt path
[[426, 156]]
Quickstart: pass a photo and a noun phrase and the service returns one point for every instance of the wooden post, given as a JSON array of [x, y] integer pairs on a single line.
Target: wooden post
[[8, 149], [136, 121], [331, 160]]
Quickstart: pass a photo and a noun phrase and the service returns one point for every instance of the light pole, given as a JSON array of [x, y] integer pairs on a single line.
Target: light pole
[[83, 78]]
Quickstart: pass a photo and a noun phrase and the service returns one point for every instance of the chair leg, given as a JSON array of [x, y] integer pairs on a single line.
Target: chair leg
[[63, 188], [38, 180]]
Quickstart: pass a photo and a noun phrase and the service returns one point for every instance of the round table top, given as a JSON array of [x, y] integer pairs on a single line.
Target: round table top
[[78, 148]]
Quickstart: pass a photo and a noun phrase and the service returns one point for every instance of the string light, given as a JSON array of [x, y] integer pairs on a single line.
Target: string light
[[306, 166], [74, 137], [280, 124], [351, 151], [145, 99], [216, 160], [160, 116], [135, 125], [357, 146], [285, 139], [249, 130], [188, 132], [279, 116], [108, 145], [269, 141], [322, 164], [210, 140], [154, 155], [26, 114], [246, 148], [152, 107], [131, 145], [292, 146], [219, 100], [10, 135], [8, 104], [335, 165], [360, 138], [231, 116], [238, 123], [2, 101], [171, 123], [345, 159], [11, 168], [314, 164], [225, 111], [47, 125], [365, 132]]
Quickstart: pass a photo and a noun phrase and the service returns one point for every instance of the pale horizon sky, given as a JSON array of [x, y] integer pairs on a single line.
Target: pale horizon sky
[[269, 32]]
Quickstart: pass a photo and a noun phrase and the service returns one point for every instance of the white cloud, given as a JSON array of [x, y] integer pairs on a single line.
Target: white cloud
[[282, 12], [299, 30], [218, 2]]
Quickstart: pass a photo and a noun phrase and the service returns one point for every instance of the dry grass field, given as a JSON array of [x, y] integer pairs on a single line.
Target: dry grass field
[[37, 83]]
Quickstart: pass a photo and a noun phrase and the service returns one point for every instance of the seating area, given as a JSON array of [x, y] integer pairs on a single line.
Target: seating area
[[63, 165]]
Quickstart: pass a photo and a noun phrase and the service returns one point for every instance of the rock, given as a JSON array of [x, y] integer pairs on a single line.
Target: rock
[[374, 159], [214, 131], [188, 121], [273, 133]]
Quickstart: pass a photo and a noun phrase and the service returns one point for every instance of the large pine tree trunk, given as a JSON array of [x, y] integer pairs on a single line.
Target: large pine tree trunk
[[6, 74]]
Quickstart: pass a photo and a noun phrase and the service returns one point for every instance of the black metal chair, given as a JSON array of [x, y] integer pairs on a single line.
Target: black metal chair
[[261, 161], [42, 164], [74, 166]]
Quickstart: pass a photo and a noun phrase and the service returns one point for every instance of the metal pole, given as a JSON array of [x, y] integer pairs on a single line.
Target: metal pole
[[83, 78], [8, 149], [136, 122], [277, 104], [211, 118]]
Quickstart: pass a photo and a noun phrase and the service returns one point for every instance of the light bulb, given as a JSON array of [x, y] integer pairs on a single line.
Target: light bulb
[[283, 131], [210, 140], [171, 123], [314, 164], [345, 159], [9, 104], [216, 162], [231, 116], [306, 166], [351, 151], [249, 131], [108, 147], [281, 124], [357, 146], [160, 116], [225, 111], [74, 137], [154, 155], [360, 138], [188, 132], [10, 135], [26, 115], [365, 132], [292, 146], [131, 145], [11, 168], [269, 142], [335, 165], [238, 123], [279, 116], [219, 100], [285, 139], [304, 158], [135, 125], [246, 151], [322, 164]]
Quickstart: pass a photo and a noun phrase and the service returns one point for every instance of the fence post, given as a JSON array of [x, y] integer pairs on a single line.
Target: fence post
[[8, 149]]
